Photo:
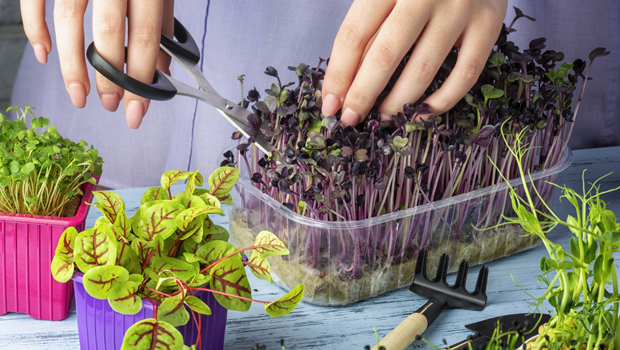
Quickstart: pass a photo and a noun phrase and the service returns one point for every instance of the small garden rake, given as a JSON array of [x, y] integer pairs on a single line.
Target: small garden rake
[[441, 296]]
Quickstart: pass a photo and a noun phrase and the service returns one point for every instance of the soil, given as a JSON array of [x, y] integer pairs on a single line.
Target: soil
[[330, 282], [72, 207]]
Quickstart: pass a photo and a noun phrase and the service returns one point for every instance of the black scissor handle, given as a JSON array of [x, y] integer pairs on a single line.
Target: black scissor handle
[[161, 89]]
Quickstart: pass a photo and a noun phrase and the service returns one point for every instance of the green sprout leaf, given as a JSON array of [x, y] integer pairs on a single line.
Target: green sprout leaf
[[210, 200], [489, 91], [66, 244], [222, 180], [172, 176], [285, 304], [128, 259], [166, 267], [215, 250], [172, 310], [269, 245], [123, 298], [154, 193], [229, 277], [151, 334], [98, 281], [259, 266], [62, 269], [197, 305], [95, 247], [159, 220]]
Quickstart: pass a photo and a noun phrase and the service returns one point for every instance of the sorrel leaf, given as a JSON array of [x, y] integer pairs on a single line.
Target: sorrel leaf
[[128, 259], [95, 247], [271, 245], [217, 233], [172, 176], [189, 221], [66, 244], [285, 304], [99, 280], [259, 266], [213, 251], [62, 269], [173, 311], [151, 334], [154, 193], [197, 305], [123, 298], [172, 267], [210, 200], [229, 277], [222, 180], [159, 220], [122, 227], [192, 181], [109, 203]]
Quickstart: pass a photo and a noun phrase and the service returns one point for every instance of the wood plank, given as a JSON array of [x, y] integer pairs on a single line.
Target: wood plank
[[351, 327]]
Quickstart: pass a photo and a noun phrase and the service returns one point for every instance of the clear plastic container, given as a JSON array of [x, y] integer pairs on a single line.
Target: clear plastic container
[[344, 262]]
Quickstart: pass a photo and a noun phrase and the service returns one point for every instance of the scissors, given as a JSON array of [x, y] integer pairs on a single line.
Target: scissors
[[164, 87]]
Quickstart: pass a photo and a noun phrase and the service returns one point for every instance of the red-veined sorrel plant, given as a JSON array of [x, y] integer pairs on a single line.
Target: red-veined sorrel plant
[[169, 250], [40, 171], [330, 173]]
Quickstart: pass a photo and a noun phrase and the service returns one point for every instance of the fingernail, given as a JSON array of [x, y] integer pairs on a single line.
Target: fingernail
[[110, 101], [77, 92], [40, 52], [331, 104], [385, 117], [135, 113], [350, 117]]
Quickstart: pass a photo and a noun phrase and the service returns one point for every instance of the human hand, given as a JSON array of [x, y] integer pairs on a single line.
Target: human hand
[[146, 19], [376, 35]]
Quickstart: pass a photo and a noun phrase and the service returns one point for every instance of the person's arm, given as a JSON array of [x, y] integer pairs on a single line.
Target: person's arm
[[143, 20], [376, 35]]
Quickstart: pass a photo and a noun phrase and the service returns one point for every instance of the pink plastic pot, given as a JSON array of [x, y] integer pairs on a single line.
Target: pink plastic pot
[[101, 328], [27, 246]]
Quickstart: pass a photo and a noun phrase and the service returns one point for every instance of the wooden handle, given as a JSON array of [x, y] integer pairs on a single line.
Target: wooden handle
[[404, 334]]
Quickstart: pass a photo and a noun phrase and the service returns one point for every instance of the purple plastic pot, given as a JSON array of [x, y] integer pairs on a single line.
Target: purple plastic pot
[[27, 245], [101, 328]]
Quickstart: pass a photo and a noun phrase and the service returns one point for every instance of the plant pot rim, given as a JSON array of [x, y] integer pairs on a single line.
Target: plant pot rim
[[78, 218], [565, 160], [78, 277]]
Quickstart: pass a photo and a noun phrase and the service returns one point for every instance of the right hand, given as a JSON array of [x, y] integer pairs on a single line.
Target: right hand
[[146, 20]]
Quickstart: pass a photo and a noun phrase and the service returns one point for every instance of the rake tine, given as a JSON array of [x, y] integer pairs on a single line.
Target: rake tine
[[442, 269], [420, 266], [461, 275], [481, 284]]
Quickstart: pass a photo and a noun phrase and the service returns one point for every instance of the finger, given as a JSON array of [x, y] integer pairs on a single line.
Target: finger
[[426, 58], [33, 18], [397, 34], [145, 18], [167, 28], [69, 23], [477, 43], [361, 23], [109, 35]]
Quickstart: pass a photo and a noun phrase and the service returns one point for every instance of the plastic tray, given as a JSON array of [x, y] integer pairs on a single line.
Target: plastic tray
[[27, 246], [101, 328], [343, 262]]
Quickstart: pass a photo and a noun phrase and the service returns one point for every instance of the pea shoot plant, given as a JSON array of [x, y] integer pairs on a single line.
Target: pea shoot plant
[[578, 277], [40, 171], [166, 253]]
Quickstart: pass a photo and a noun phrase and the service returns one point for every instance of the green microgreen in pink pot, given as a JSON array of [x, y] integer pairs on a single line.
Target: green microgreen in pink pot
[[169, 250]]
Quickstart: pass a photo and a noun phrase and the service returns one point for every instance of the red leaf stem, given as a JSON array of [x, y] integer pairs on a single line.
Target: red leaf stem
[[237, 252], [230, 295]]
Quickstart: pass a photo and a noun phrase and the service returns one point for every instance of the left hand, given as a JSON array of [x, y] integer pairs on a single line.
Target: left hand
[[376, 35]]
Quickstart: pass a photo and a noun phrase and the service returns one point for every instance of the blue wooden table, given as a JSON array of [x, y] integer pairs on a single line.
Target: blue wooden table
[[351, 327]]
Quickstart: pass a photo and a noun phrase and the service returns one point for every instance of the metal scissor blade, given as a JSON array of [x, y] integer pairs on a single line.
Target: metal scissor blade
[[235, 114], [193, 70]]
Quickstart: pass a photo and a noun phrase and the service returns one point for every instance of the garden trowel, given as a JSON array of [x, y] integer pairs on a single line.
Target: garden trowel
[[441, 296], [526, 323]]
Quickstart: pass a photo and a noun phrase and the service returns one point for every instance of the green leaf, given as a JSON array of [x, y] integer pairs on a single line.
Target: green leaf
[[95, 247], [591, 252], [197, 305], [609, 220], [109, 203], [259, 266], [229, 277], [154, 193], [222, 180], [171, 267], [172, 176], [151, 334], [489, 91], [210, 200], [194, 180], [66, 244], [285, 304], [213, 251], [191, 220], [62, 269], [128, 258], [227, 200], [123, 298], [573, 225], [270, 245], [529, 221], [173, 311], [138, 278], [99, 280], [159, 220]]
